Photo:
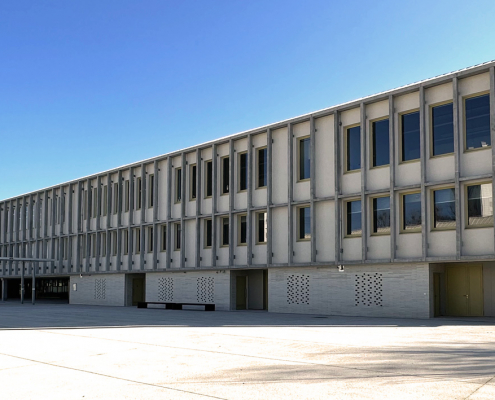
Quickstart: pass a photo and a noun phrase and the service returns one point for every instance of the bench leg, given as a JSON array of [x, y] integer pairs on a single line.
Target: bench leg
[[142, 305], [178, 307], [210, 307], [169, 306]]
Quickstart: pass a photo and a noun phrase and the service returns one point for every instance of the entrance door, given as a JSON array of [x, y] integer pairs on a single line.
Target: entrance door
[[241, 283], [465, 290], [137, 290]]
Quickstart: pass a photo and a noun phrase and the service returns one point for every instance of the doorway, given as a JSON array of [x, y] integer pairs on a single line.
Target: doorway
[[241, 292], [249, 289], [465, 290], [135, 288]]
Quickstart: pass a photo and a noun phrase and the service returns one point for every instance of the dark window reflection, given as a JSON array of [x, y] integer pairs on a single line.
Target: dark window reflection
[[354, 148], [444, 212], [381, 215], [304, 223], [304, 159], [480, 205], [380, 143], [354, 217], [410, 136], [411, 204], [442, 119], [478, 122]]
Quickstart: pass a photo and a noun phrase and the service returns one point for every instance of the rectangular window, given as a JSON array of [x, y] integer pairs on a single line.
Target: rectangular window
[[83, 246], [137, 240], [304, 223], [208, 233], [242, 229], [477, 120], [225, 175], [262, 167], [115, 195], [353, 148], [304, 158], [193, 181], [261, 227], [381, 150], [151, 191], [208, 178], [353, 225], [105, 200], [442, 129], [114, 243], [381, 215], [410, 136], [411, 212], [95, 202], [93, 245], [163, 246], [178, 236], [103, 242], [127, 195], [480, 205], [138, 193], [150, 239], [125, 239], [444, 209], [243, 171], [178, 185], [225, 231]]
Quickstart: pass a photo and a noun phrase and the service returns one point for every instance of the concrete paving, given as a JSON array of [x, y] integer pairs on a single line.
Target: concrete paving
[[84, 352]]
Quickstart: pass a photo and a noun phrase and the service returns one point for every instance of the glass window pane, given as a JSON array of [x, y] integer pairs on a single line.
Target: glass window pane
[[442, 122], [225, 175], [381, 215], [262, 165], [304, 159], [477, 122], [353, 218], [243, 228], [444, 211], [412, 211], [262, 227], [410, 136], [209, 178], [243, 169], [193, 182], [480, 205], [225, 231], [353, 148], [304, 223], [208, 233], [380, 143]]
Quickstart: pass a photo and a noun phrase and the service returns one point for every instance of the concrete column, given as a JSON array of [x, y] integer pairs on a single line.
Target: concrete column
[[144, 185], [269, 215], [120, 197], [199, 164], [391, 136], [249, 217], [422, 147], [290, 153], [232, 190], [3, 282], [183, 212], [214, 199], [364, 205], [336, 172], [98, 203], [70, 214], [457, 165], [492, 126], [169, 212], [312, 183]]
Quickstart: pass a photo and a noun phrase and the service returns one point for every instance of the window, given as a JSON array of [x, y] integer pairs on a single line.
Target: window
[[150, 239], [304, 158], [193, 181], [381, 215], [479, 205], [138, 193], [353, 148], [115, 197], [178, 236], [126, 241], [410, 136], [225, 231], [442, 129], [380, 136], [105, 200], [242, 230], [262, 168], [225, 175], [477, 120], [353, 225], [411, 212], [137, 240], [151, 191], [208, 178], [178, 185], [304, 223], [103, 244], [208, 233], [444, 209], [95, 202], [93, 244], [83, 249], [163, 245], [64, 244], [127, 195], [261, 227], [243, 171], [114, 243]]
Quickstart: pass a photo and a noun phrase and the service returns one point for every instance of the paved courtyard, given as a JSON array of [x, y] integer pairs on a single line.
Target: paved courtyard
[[60, 351]]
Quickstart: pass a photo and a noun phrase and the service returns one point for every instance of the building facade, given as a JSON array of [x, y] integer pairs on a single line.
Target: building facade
[[377, 207]]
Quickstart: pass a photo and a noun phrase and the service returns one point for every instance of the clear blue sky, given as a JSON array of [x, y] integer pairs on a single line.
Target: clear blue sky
[[87, 86]]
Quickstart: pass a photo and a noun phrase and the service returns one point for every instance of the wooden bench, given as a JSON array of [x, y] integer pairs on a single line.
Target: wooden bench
[[176, 306]]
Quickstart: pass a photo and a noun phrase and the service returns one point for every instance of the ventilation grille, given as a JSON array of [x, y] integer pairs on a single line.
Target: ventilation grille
[[298, 289], [100, 288], [165, 289], [206, 290], [368, 290]]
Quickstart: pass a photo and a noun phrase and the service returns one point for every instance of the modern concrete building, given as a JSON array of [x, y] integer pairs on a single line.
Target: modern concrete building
[[381, 206]]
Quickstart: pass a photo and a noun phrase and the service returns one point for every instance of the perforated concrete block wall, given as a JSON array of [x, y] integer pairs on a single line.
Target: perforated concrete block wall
[[400, 290], [101, 290], [190, 287]]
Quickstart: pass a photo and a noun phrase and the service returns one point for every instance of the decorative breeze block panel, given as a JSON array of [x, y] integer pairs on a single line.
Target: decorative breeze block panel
[[368, 290], [298, 289], [165, 289], [205, 290], [100, 288]]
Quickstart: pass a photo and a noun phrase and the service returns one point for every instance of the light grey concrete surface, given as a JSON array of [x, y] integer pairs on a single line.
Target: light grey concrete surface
[[73, 352]]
